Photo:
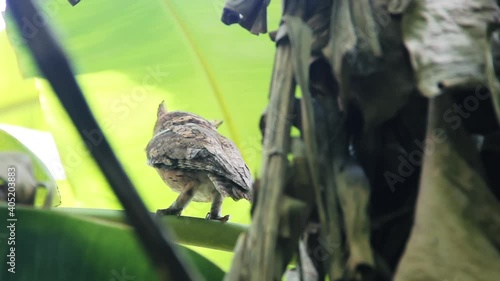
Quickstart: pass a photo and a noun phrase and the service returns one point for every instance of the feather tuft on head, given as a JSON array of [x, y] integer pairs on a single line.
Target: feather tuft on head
[[162, 110], [216, 123]]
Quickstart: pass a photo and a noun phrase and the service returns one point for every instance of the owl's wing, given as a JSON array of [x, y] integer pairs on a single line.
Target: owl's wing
[[237, 161], [198, 148]]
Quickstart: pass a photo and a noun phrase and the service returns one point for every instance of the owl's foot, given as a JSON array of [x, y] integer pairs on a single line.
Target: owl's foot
[[217, 217], [169, 212]]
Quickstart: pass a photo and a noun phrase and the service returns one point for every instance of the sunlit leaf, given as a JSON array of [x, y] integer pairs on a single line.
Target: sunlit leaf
[[129, 56], [54, 246]]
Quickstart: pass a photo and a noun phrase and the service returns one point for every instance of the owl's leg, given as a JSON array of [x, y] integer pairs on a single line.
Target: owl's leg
[[179, 204], [215, 210]]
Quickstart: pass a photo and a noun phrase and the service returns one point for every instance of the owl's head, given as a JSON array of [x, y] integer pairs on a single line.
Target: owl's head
[[165, 119]]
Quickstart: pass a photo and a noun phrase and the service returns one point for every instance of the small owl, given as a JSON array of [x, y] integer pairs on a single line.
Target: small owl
[[196, 161]]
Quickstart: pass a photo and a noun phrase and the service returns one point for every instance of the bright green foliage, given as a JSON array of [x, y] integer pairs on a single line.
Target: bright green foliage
[[76, 248], [129, 56]]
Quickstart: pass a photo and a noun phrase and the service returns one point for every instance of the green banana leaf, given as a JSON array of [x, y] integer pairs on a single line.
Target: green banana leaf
[[186, 230], [47, 245], [128, 57]]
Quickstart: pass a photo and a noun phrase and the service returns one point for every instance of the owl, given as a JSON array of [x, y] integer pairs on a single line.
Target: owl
[[197, 162]]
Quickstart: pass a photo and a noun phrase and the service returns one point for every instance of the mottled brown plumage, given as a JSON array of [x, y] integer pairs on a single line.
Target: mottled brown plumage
[[196, 161]]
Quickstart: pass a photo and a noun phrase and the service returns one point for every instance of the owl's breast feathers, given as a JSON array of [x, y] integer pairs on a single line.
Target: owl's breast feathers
[[195, 147]]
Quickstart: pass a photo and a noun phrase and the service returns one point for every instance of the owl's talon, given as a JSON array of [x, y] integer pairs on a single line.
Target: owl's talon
[[168, 212], [217, 217]]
